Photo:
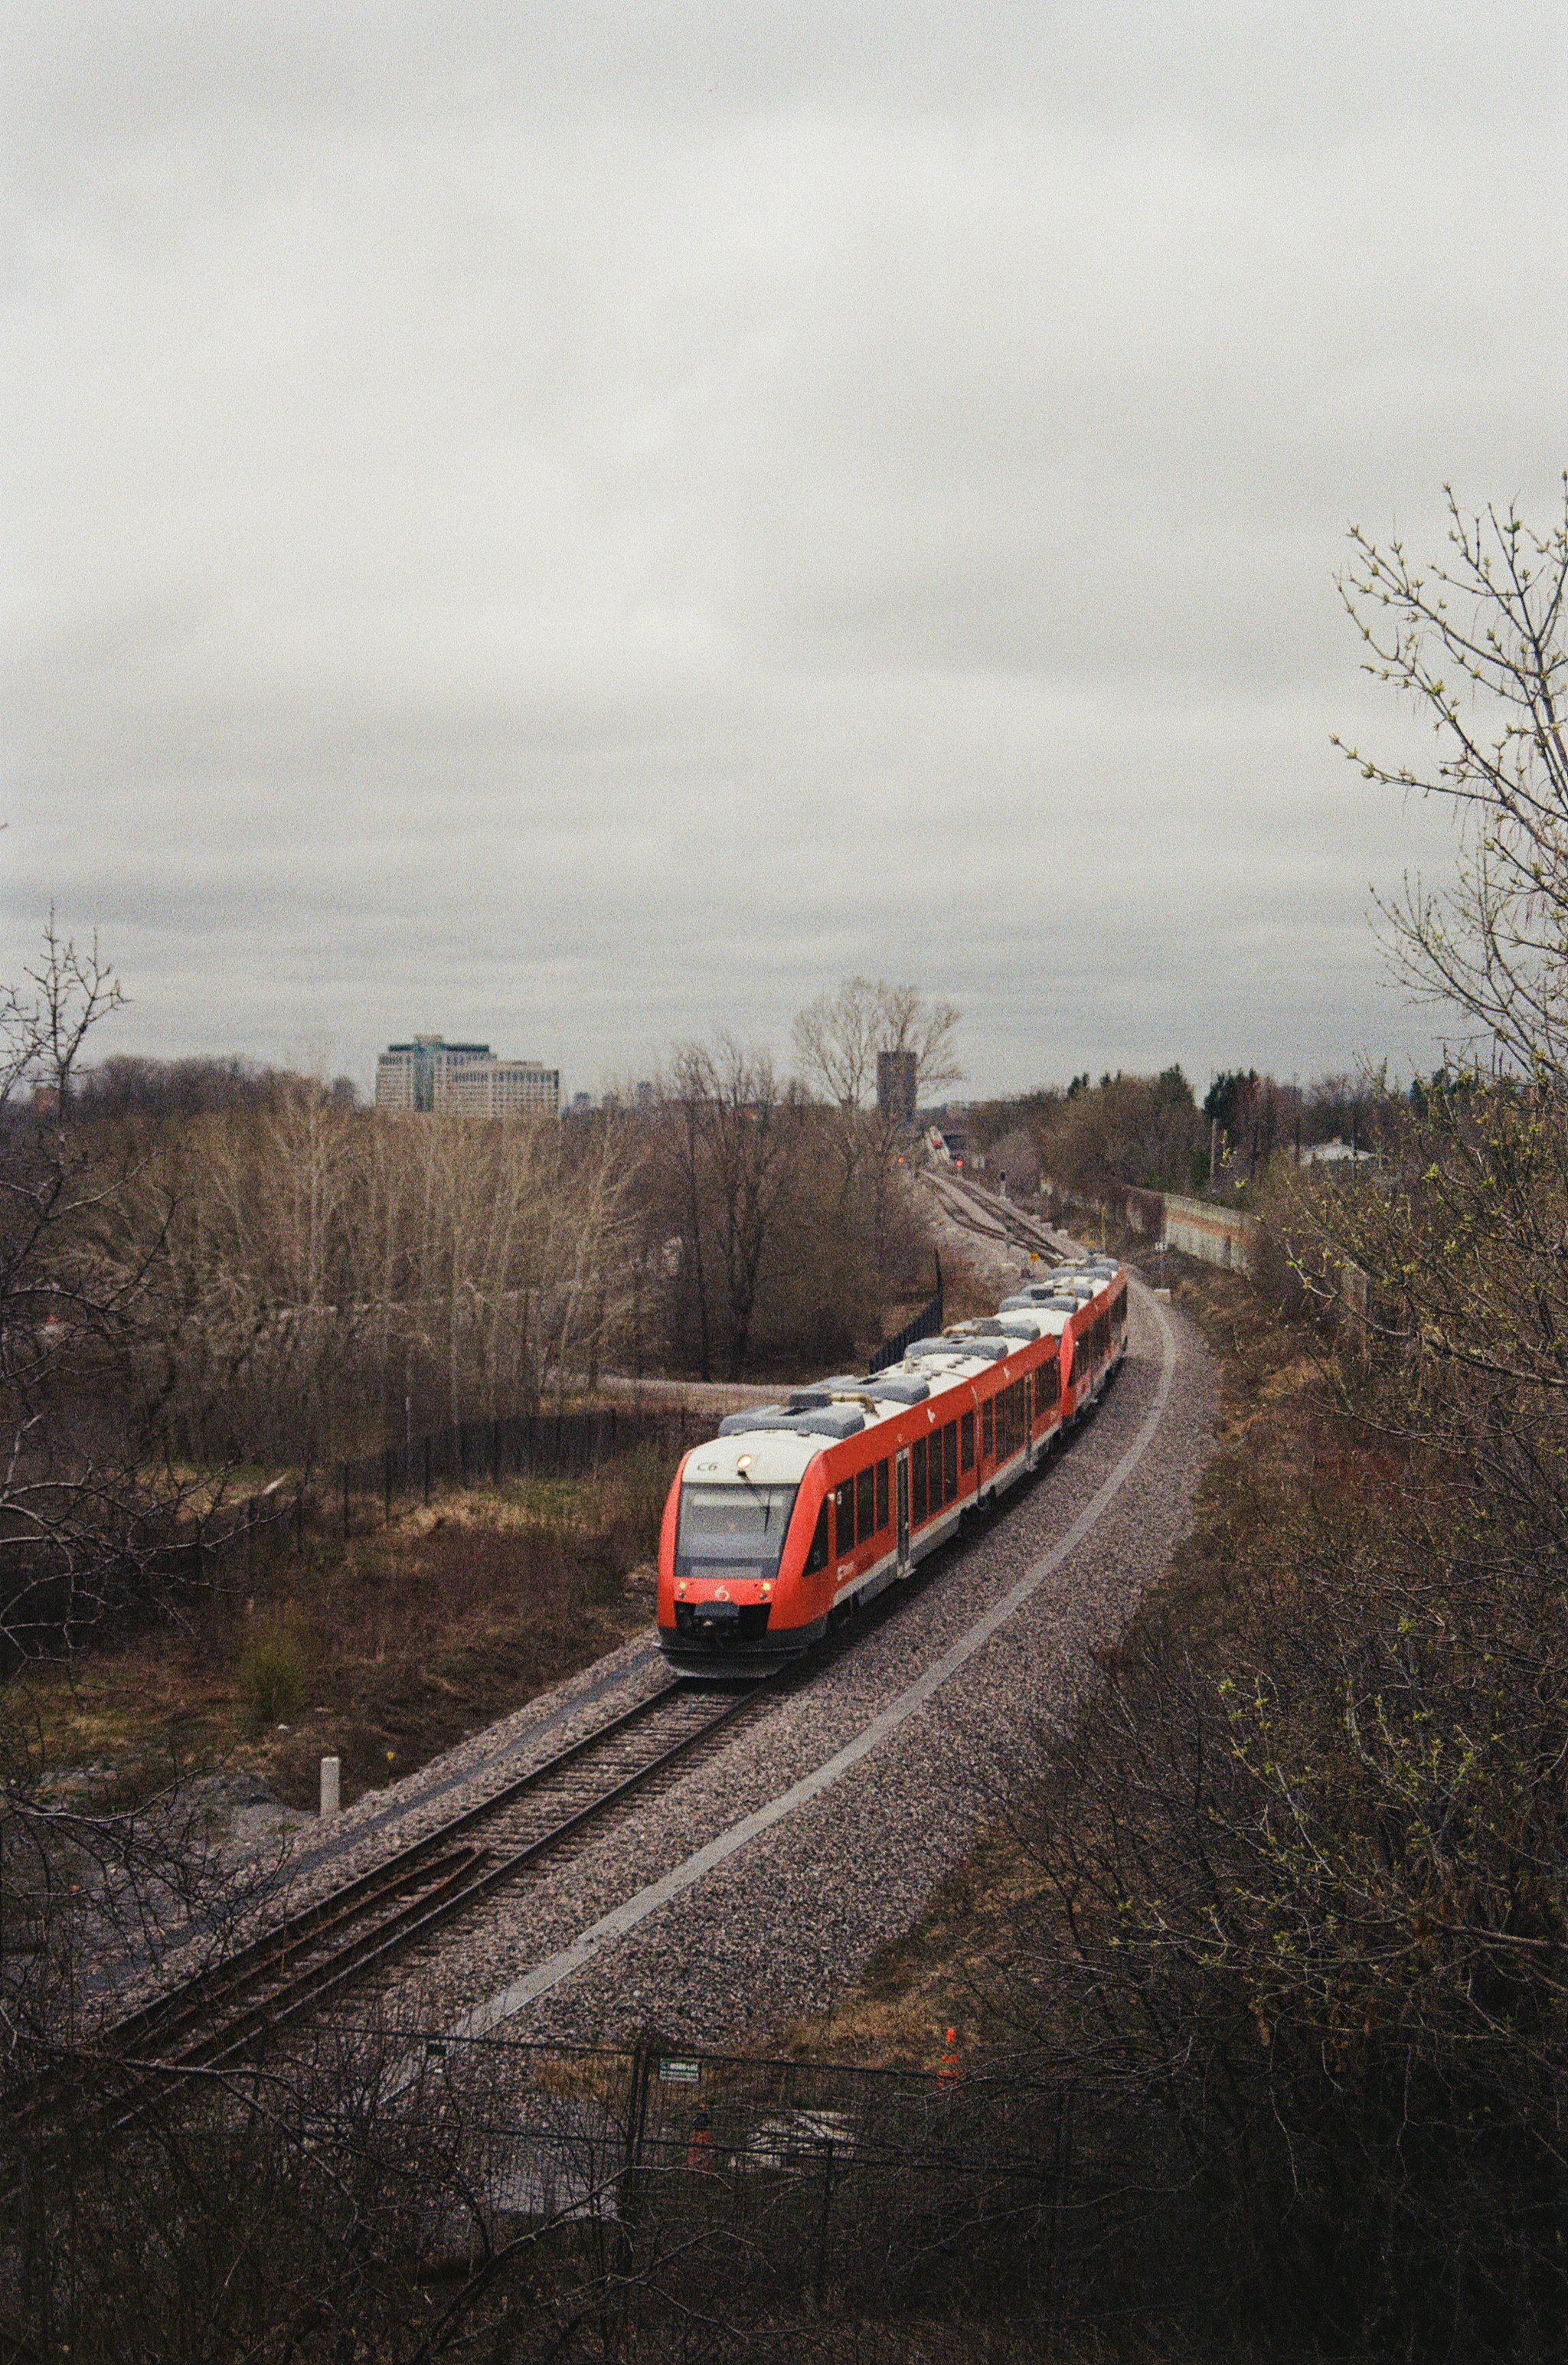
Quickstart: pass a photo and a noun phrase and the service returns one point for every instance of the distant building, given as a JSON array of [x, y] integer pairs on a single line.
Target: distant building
[[415, 1075], [503, 1088], [431, 1073], [1334, 1153], [895, 1086]]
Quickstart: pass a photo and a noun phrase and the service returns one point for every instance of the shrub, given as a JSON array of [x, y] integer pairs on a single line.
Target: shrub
[[274, 1674]]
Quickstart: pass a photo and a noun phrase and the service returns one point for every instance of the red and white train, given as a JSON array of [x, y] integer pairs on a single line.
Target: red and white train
[[797, 1513]]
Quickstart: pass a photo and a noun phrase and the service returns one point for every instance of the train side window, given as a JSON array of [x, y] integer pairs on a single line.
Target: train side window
[[950, 1462], [917, 1480], [817, 1557], [844, 1518], [986, 1432], [864, 1504], [1051, 1381], [881, 1494], [967, 1441]]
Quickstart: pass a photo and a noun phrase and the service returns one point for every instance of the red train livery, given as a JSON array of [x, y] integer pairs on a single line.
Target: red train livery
[[794, 1514]]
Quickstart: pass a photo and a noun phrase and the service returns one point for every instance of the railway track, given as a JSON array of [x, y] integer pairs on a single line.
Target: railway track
[[994, 1220], [306, 1959]]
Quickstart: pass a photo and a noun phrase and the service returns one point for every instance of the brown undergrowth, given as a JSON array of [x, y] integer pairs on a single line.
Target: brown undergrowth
[[1285, 1457], [384, 1649]]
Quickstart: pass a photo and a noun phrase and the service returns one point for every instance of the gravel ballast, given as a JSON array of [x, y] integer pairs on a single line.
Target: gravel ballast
[[789, 1913]]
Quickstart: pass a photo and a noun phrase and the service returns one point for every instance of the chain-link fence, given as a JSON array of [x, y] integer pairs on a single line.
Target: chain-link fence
[[827, 2179], [490, 2185]]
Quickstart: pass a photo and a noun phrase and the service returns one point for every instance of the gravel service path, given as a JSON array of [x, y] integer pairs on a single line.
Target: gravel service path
[[761, 1882]]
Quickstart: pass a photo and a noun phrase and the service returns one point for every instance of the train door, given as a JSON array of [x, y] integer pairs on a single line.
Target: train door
[[903, 1511]]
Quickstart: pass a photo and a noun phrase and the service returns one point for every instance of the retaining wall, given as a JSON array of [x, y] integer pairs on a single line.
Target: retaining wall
[[1222, 1236]]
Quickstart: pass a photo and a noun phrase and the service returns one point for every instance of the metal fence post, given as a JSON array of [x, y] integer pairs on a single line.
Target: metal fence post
[[823, 2227], [636, 2118], [1062, 2182], [345, 1502], [427, 1467]]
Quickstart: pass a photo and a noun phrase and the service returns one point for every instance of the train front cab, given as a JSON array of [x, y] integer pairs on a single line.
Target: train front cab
[[719, 1593]]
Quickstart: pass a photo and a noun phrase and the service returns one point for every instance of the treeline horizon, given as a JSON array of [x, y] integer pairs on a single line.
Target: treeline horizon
[[280, 1274]]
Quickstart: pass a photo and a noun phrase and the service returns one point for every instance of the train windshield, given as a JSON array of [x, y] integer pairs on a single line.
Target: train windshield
[[732, 1524]]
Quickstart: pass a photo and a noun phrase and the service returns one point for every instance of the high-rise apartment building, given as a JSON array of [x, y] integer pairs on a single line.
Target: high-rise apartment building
[[896, 1085], [431, 1073]]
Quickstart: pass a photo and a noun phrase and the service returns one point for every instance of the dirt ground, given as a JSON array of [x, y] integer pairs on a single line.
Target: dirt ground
[[383, 1650]]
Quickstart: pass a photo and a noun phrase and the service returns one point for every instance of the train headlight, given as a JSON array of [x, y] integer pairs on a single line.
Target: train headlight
[[768, 1593], [680, 1592]]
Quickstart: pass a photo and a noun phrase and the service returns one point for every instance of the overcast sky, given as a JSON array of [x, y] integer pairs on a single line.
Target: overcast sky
[[581, 524]]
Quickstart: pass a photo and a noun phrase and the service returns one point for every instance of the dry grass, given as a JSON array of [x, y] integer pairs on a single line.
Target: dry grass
[[397, 1643]]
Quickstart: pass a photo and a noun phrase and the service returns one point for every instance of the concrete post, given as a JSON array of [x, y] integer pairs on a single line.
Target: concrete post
[[332, 1767]]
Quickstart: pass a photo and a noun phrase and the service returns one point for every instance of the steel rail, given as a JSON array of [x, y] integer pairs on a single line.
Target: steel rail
[[218, 2014], [354, 1921]]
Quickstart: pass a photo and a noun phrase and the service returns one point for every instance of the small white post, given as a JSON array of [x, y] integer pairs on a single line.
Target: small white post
[[330, 1769]]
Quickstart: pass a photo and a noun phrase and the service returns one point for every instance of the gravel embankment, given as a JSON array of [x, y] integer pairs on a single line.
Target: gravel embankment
[[788, 1918]]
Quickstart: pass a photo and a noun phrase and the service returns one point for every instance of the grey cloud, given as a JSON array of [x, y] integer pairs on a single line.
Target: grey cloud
[[591, 524]]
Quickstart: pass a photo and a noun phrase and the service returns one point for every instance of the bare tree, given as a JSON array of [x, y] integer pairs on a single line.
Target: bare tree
[[1476, 643], [837, 1042], [837, 1039], [92, 1520], [738, 1140], [689, 1092]]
